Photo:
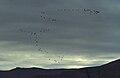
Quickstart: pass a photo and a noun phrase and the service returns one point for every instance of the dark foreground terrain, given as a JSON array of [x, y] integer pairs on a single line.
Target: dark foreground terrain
[[110, 70]]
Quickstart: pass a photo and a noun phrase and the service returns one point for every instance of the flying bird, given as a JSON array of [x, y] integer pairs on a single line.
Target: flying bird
[[55, 60], [97, 12]]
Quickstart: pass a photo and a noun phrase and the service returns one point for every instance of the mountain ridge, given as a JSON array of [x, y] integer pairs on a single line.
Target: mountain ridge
[[109, 70]]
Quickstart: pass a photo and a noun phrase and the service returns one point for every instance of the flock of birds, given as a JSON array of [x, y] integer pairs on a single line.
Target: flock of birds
[[45, 14], [35, 36], [90, 11]]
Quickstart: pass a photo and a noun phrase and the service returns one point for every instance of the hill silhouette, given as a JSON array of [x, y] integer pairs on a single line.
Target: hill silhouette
[[109, 70]]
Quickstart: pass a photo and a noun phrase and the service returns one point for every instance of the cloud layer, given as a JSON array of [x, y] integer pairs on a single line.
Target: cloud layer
[[88, 39]]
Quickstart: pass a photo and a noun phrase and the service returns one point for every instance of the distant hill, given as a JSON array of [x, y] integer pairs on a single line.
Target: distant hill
[[110, 70]]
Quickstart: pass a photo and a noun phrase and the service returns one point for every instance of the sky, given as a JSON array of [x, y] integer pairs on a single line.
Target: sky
[[68, 36]]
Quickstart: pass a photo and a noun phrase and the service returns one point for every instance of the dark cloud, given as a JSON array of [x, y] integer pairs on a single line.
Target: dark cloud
[[74, 33]]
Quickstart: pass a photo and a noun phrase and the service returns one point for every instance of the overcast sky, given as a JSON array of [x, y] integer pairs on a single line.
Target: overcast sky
[[83, 39]]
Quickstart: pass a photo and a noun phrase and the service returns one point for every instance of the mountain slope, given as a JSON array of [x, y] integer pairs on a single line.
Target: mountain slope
[[110, 70]]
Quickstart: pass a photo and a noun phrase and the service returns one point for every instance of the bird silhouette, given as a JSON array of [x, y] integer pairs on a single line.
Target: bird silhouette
[[97, 12], [43, 12], [34, 33], [39, 49], [55, 60]]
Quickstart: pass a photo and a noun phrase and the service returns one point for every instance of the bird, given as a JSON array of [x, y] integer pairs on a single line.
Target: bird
[[55, 60], [64, 9], [39, 49], [41, 16], [48, 29], [40, 30], [34, 33], [36, 41], [58, 56], [49, 18], [97, 12], [54, 20], [44, 18], [43, 12], [43, 31], [36, 44]]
